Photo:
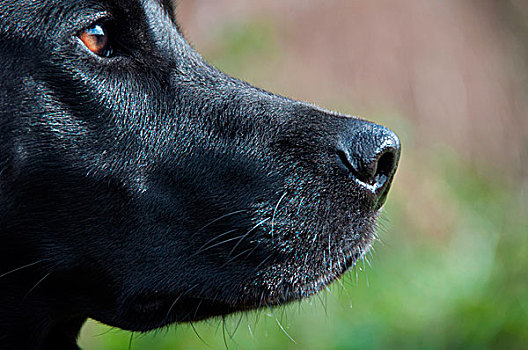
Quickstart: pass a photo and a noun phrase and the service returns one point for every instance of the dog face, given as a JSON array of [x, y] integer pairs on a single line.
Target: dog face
[[148, 188]]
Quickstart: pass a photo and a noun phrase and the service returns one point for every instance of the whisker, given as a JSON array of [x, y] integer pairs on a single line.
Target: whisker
[[252, 250], [217, 244], [330, 248], [220, 218], [253, 228], [195, 331], [275, 212], [236, 256], [36, 285], [262, 296], [178, 298], [299, 206], [323, 304], [238, 324], [212, 240], [224, 332], [21, 268], [344, 288], [130, 340], [105, 332], [250, 332], [263, 261], [197, 307], [280, 325]]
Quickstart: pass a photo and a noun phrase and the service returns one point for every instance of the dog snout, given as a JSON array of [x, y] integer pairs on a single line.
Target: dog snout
[[370, 153]]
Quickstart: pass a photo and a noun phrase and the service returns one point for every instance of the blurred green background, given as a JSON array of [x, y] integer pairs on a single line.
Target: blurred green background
[[451, 78]]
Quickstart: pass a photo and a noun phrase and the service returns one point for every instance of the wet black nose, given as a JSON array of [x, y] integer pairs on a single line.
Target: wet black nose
[[370, 153]]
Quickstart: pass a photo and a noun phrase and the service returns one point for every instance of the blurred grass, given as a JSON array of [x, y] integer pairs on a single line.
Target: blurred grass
[[245, 49], [451, 270]]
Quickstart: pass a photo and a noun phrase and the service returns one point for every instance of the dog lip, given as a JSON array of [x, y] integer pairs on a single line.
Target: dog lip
[[322, 277], [156, 310], [170, 308], [149, 305]]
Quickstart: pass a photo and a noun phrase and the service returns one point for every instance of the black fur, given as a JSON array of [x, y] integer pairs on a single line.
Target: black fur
[[149, 188]]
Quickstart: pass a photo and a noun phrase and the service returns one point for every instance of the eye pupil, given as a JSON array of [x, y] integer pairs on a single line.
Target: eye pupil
[[95, 38]]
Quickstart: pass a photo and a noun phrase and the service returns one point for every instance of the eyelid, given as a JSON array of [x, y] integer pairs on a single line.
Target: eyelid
[[96, 29], [86, 22]]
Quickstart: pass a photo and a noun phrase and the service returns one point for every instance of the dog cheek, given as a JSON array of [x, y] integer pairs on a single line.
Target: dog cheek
[[12, 160]]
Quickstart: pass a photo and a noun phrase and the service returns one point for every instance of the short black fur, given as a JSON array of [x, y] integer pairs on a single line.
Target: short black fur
[[148, 188]]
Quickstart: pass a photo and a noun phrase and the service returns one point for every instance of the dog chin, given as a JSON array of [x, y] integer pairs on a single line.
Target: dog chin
[[276, 285], [141, 314], [298, 280]]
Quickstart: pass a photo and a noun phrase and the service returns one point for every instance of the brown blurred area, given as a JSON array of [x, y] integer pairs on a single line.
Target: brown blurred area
[[455, 72]]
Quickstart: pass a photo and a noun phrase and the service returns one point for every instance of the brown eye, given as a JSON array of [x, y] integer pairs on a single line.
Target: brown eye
[[95, 38]]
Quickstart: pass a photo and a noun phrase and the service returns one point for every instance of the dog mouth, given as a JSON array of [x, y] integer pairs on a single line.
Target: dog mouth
[[160, 310], [290, 254], [301, 277], [277, 285]]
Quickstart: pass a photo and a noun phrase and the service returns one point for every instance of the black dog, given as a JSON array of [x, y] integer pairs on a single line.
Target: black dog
[[140, 186]]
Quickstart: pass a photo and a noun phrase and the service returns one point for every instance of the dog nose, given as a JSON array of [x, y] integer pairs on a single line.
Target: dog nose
[[370, 152]]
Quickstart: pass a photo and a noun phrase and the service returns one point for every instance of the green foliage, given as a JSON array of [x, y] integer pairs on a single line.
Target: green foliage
[[246, 50]]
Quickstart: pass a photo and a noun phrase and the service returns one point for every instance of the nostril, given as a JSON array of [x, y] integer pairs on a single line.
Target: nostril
[[345, 161], [375, 172], [386, 163], [365, 172]]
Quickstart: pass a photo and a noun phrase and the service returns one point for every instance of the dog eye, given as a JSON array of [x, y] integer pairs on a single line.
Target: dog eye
[[95, 38]]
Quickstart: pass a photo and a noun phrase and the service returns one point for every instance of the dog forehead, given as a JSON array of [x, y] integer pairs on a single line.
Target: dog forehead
[[11, 9], [26, 18], [167, 6]]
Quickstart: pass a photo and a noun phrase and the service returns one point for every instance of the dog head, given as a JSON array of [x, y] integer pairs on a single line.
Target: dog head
[[150, 188]]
